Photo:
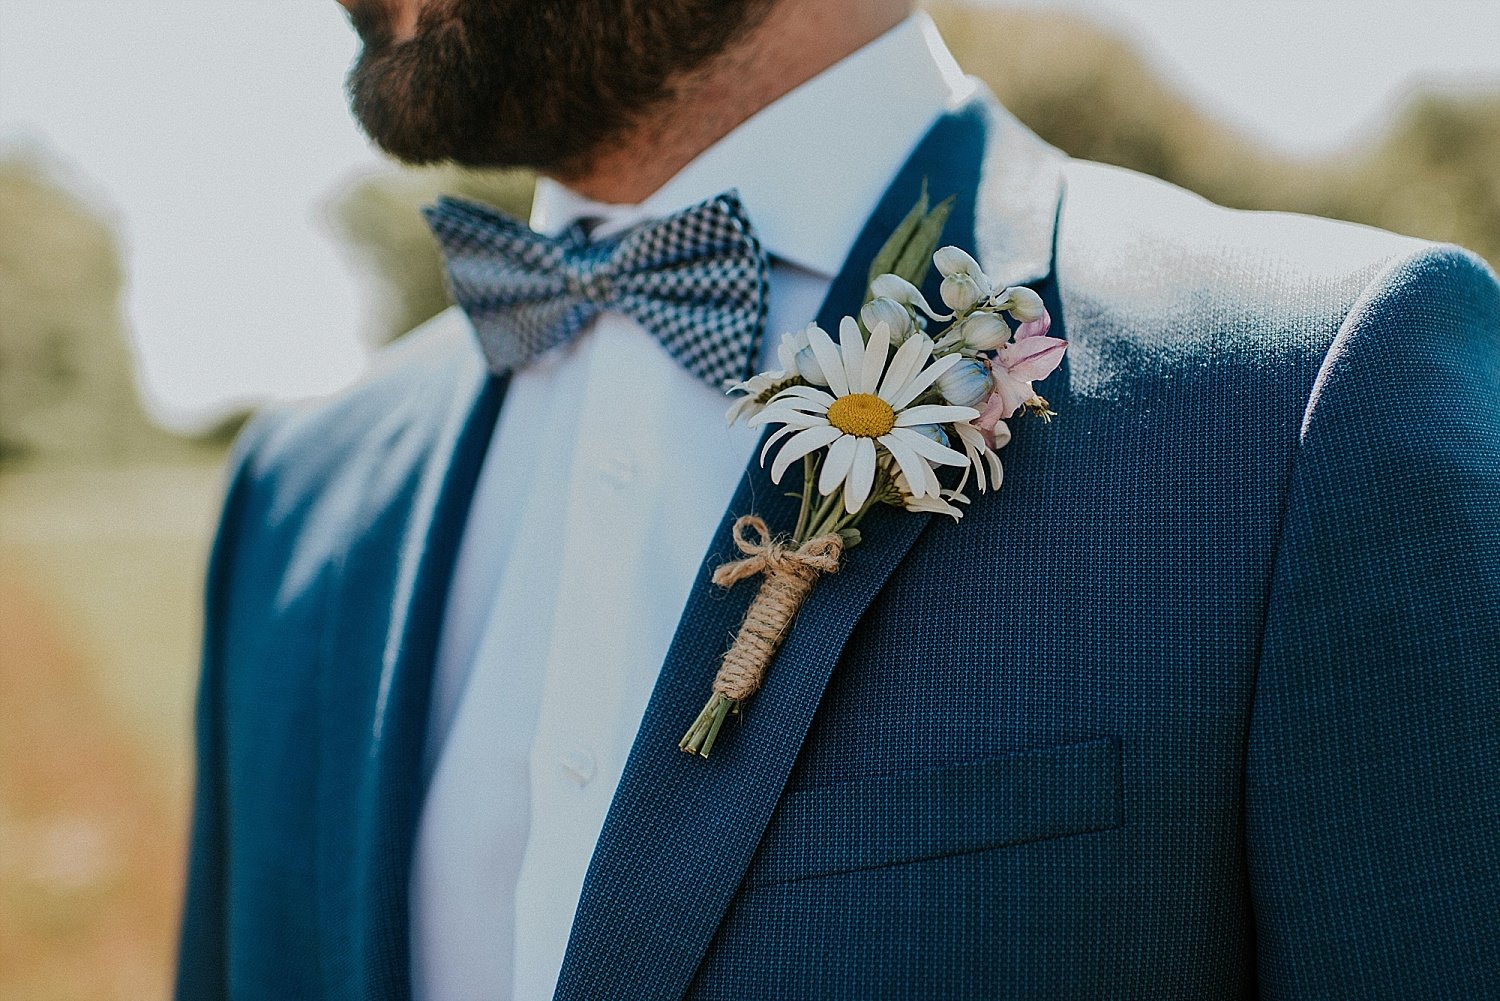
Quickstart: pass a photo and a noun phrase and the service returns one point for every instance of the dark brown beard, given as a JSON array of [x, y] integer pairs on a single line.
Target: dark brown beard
[[530, 83]]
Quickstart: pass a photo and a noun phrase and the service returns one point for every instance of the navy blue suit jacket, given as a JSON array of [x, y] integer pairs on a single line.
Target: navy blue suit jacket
[[1204, 703]]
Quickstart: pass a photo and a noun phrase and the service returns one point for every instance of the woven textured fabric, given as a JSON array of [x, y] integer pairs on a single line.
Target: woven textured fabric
[[1203, 704], [696, 280]]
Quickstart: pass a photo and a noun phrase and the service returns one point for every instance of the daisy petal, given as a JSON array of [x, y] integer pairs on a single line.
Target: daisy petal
[[916, 387], [911, 464], [934, 487], [829, 360], [973, 442], [836, 464], [798, 406], [876, 353], [800, 444], [852, 343], [935, 505], [929, 449], [861, 475], [997, 471], [969, 434], [785, 415], [933, 414], [773, 438], [802, 393], [790, 427], [909, 360], [738, 409]]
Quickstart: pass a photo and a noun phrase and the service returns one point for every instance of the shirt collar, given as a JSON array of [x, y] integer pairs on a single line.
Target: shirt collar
[[812, 165]]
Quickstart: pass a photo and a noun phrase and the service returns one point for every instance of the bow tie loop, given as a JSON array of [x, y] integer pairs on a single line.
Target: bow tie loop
[[696, 280]]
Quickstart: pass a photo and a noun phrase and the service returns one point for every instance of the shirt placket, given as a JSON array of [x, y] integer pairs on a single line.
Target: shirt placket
[[578, 750]]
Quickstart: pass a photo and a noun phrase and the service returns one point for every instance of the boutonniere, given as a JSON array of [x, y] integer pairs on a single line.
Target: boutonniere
[[873, 417]]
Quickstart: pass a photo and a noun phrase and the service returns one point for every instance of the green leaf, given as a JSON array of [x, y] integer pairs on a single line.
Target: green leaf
[[916, 259], [895, 244]]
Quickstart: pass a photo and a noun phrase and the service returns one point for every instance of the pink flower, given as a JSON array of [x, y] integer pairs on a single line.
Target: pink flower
[[1036, 328], [1030, 357]]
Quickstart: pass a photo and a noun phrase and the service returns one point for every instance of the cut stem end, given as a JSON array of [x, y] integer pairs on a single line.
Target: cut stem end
[[700, 737]]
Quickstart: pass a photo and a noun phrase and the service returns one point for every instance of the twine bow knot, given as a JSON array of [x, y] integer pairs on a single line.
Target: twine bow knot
[[788, 576], [770, 556], [788, 571]]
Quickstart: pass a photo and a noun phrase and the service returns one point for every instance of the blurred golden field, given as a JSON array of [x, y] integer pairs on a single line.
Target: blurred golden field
[[99, 576], [105, 519]]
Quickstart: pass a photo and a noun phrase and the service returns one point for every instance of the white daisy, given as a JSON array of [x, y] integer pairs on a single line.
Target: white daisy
[[866, 412], [797, 363]]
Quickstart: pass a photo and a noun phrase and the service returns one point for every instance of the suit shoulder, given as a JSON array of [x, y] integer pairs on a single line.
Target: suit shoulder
[[1437, 284], [408, 390], [1155, 279], [1433, 314], [308, 472], [1123, 233]]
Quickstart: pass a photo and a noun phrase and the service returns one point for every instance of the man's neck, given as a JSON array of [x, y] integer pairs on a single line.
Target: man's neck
[[797, 40]]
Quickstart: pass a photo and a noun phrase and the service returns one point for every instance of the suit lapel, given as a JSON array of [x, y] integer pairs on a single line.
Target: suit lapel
[[681, 830], [373, 723]]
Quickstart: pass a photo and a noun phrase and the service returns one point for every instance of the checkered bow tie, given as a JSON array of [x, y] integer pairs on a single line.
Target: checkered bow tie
[[696, 280]]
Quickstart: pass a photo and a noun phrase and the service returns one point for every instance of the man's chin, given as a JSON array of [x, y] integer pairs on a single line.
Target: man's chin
[[400, 100], [379, 23], [371, 25]]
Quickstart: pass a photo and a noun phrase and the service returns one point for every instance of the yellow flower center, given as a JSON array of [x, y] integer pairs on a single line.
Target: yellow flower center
[[863, 415]]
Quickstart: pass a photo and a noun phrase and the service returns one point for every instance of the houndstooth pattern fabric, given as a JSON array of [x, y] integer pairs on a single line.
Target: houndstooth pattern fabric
[[696, 280]]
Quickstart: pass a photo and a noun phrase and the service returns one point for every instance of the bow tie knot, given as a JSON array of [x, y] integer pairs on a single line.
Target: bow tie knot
[[591, 284], [696, 280]]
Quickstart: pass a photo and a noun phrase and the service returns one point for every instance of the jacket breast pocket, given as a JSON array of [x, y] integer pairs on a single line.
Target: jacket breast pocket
[[975, 806]]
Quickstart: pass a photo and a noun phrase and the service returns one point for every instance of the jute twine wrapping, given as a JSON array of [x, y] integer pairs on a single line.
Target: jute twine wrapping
[[789, 577]]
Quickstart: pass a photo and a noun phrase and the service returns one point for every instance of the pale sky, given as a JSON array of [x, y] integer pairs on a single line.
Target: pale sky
[[214, 134]]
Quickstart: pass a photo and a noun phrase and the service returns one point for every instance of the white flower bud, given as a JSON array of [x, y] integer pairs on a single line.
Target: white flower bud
[[964, 282], [786, 352], [982, 331], [951, 262], [933, 431], [890, 286], [797, 357], [809, 369], [965, 384], [898, 288], [1022, 303], [897, 318], [961, 293]]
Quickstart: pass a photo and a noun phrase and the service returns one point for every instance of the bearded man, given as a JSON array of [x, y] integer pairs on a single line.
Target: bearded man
[[1204, 702]]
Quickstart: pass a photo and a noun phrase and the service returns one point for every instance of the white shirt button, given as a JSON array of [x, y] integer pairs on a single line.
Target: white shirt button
[[578, 765]]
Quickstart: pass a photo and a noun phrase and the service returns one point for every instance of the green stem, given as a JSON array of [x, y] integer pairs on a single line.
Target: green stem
[[701, 735], [837, 520], [822, 515], [809, 470]]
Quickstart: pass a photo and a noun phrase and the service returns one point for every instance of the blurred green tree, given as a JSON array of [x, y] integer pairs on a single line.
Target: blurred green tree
[[67, 375], [1435, 173]]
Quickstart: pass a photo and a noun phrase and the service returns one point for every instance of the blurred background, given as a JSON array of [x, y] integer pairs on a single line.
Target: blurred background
[[190, 225]]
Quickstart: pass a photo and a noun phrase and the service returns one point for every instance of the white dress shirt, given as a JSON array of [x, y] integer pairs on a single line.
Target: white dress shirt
[[609, 469]]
